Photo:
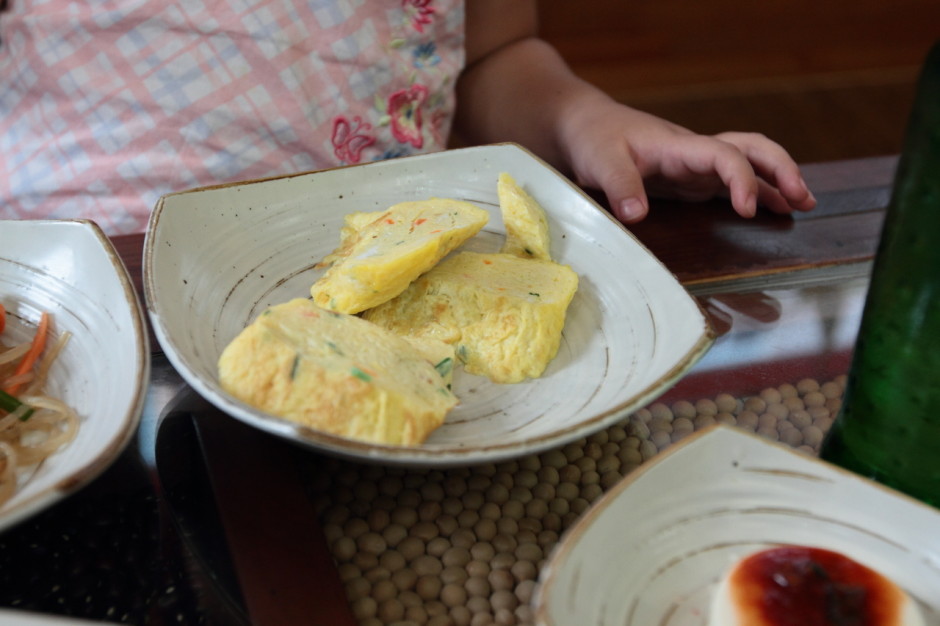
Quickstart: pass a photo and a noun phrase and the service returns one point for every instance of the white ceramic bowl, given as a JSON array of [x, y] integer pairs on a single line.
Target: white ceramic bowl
[[651, 551], [70, 269], [215, 258]]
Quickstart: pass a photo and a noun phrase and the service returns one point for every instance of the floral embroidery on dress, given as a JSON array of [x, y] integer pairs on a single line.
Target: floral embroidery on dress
[[425, 55], [415, 110], [420, 12], [350, 138], [404, 110]]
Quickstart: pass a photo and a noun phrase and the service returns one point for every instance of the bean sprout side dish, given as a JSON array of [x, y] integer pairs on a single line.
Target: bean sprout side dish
[[33, 425]]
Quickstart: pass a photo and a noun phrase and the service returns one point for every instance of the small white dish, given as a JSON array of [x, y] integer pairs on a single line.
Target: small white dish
[[652, 550], [214, 258], [70, 269]]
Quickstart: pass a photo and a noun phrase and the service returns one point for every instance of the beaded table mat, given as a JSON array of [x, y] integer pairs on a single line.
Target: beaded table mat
[[464, 546]]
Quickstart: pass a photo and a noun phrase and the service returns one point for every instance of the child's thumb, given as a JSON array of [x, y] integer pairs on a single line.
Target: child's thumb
[[625, 192]]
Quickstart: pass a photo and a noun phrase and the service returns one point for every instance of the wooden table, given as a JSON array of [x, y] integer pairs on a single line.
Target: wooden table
[[144, 543]]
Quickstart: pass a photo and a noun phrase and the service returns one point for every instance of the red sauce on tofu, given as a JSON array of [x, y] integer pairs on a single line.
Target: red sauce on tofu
[[802, 586]]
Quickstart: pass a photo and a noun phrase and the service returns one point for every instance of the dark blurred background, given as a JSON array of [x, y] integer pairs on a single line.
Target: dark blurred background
[[828, 79]]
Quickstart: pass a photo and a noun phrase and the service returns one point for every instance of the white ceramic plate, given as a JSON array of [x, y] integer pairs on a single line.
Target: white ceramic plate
[[70, 269], [651, 551], [215, 258], [26, 618]]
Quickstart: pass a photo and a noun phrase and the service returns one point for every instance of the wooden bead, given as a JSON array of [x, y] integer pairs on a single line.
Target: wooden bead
[[661, 439], [478, 568], [545, 491], [524, 570], [478, 586], [428, 587], [454, 574], [371, 542], [427, 565], [726, 403], [453, 595], [405, 516], [437, 547], [460, 616], [504, 599], [812, 435], [418, 616], [405, 579], [725, 417], [377, 574], [648, 450], [501, 579], [463, 537], [358, 588], [391, 610], [638, 429], [525, 590], [748, 420], [659, 410], [807, 385], [683, 408], [364, 607], [573, 451], [771, 395], [814, 399], [704, 420], [354, 527], [344, 548], [514, 510], [425, 530], [446, 525], [800, 418], [660, 425], [392, 560], [755, 404], [706, 406], [456, 556]]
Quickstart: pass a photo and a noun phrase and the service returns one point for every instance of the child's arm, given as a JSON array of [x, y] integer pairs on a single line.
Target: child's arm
[[517, 88]]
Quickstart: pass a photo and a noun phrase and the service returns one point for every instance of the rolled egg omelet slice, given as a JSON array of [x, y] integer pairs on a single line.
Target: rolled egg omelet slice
[[378, 258], [339, 374], [526, 225], [503, 314]]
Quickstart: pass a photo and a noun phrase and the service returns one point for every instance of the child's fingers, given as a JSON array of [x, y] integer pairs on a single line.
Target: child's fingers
[[770, 198], [622, 184], [773, 164], [727, 161]]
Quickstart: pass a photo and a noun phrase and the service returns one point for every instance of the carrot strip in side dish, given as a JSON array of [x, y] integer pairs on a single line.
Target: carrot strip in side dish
[[30, 358]]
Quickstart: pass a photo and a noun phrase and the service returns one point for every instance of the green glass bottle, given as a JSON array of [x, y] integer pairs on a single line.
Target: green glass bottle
[[889, 426]]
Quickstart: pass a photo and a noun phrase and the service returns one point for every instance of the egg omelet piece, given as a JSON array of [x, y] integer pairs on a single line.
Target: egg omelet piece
[[504, 314], [336, 373], [378, 259], [438, 352], [525, 221]]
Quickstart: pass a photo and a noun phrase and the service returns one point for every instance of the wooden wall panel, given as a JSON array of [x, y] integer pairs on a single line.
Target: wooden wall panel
[[830, 79]]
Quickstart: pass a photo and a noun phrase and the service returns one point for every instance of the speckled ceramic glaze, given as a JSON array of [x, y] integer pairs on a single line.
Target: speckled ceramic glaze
[[215, 258], [70, 269], [652, 550]]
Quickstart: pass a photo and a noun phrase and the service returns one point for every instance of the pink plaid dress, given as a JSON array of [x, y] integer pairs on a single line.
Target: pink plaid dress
[[105, 105]]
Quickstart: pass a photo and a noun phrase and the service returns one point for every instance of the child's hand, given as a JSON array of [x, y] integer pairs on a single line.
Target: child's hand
[[516, 87], [620, 151]]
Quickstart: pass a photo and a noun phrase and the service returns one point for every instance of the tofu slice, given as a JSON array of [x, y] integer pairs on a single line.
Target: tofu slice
[[526, 224], [378, 259], [337, 373], [503, 314]]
